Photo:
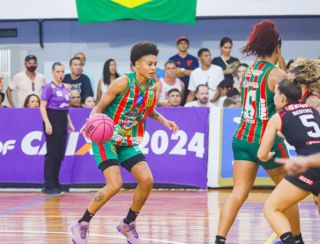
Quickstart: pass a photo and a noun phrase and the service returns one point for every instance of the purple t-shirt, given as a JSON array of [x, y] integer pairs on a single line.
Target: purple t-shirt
[[56, 96]]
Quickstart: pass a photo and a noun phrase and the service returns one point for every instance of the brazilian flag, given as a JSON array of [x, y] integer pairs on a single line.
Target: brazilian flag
[[172, 11]]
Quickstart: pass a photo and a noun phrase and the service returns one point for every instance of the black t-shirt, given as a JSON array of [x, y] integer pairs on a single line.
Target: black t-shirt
[[220, 62], [81, 84], [301, 128]]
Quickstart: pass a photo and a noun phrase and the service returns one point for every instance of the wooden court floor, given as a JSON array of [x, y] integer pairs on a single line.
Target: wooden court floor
[[172, 217]]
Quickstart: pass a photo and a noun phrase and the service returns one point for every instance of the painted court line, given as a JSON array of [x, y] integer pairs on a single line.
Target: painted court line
[[91, 234], [25, 205]]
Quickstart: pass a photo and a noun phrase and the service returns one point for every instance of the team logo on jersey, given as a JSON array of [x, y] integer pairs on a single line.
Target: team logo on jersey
[[257, 72]]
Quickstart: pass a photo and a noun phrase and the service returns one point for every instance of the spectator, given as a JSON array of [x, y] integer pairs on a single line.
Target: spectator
[[32, 101], [77, 80], [54, 111], [207, 74], [228, 63], [174, 98], [2, 97], [1, 82], [185, 62], [26, 82], [75, 99], [167, 83], [230, 103], [89, 102], [109, 74], [224, 87], [82, 58], [239, 75], [202, 95]]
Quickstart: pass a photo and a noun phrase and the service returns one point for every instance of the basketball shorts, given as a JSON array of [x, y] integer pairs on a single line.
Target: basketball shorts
[[107, 154], [308, 181], [243, 150]]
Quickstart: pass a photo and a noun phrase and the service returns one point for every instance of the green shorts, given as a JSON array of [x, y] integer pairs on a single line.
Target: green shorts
[[108, 154], [243, 150]]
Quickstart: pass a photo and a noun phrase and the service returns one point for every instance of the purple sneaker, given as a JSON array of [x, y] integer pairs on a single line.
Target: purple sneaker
[[80, 232], [129, 231]]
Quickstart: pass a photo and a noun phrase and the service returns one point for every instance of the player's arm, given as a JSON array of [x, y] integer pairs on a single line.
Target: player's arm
[[275, 76], [300, 164], [116, 88], [264, 152], [171, 125], [314, 101]]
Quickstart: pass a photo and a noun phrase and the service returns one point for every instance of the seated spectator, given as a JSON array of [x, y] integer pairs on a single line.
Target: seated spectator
[[89, 102], [76, 80], [174, 98], [223, 88], [230, 103], [207, 74], [228, 63], [32, 101], [26, 82], [109, 74], [239, 74], [169, 82], [75, 99], [2, 97], [202, 96]]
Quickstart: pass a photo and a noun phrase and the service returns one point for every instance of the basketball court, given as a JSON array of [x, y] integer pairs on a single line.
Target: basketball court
[[172, 217]]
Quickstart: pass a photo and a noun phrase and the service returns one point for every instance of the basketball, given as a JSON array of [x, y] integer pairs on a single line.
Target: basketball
[[99, 128]]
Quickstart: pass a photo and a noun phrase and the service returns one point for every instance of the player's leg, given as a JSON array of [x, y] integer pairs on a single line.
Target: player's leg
[[136, 164], [284, 196], [277, 173], [111, 171], [244, 174]]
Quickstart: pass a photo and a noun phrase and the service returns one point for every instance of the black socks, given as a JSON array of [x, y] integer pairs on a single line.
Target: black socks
[[86, 217], [131, 216]]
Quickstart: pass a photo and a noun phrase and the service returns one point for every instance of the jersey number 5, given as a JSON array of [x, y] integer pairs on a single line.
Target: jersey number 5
[[308, 121]]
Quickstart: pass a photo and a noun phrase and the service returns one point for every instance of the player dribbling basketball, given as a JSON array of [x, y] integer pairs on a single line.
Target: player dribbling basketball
[[129, 100]]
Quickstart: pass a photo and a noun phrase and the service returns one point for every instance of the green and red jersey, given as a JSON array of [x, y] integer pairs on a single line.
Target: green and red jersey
[[130, 110], [257, 102]]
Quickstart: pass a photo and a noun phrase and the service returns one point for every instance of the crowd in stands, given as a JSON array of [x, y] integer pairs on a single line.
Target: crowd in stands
[[186, 80]]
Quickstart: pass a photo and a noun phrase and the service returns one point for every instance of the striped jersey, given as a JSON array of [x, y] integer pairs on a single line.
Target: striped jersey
[[257, 102], [130, 110]]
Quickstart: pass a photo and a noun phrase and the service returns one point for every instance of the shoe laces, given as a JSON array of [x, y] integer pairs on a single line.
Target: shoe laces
[[84, 230], [133, 230]]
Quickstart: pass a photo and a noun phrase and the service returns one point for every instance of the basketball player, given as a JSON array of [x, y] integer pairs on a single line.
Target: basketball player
[[300, 124], [129, 100], [257, 89]]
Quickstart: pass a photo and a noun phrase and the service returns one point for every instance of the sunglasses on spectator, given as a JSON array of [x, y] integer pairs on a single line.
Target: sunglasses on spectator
[[77, 97]]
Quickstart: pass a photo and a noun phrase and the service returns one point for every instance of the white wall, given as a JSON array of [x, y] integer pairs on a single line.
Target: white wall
[[56, 9]]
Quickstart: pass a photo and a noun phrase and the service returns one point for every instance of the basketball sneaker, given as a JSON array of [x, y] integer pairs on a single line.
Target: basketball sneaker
[[80, 232], [129, 231]]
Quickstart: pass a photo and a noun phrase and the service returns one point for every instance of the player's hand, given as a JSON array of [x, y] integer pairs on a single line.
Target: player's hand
[[294, 165], [171, 125], [48, 128], [270, 156]]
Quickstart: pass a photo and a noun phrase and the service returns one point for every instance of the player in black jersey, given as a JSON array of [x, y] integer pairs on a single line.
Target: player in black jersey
[[300, 124]]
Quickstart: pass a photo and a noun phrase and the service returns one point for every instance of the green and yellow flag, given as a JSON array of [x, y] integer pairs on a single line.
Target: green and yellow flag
[[172, 11]]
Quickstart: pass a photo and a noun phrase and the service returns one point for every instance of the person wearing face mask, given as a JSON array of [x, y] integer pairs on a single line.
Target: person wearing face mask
[[26, 82]]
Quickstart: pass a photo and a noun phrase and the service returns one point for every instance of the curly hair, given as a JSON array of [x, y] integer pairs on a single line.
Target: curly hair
[[142, 49], [306, 71], [263, 40]]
